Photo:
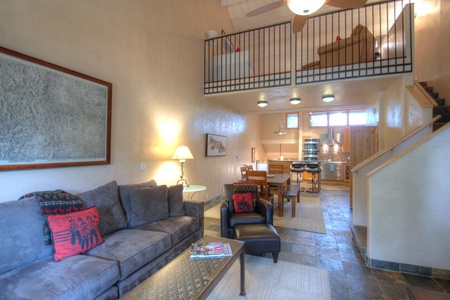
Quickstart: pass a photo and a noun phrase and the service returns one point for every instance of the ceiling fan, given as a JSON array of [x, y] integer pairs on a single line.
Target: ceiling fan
[[280, 131], [303, 8]]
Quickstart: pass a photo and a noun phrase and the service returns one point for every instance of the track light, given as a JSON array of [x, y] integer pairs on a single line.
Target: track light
[[295, 101], [262, 103], [328, 98]]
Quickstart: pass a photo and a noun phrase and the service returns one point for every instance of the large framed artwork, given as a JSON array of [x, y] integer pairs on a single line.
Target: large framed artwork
[[216, 145], [51, 116]]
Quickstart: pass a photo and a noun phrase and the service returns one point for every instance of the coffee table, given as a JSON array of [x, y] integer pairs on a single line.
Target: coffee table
[[186, 278]]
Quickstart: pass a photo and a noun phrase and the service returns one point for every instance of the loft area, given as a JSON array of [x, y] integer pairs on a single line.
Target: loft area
[[371, 41]]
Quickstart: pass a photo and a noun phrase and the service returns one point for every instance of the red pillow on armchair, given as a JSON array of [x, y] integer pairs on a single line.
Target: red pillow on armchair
[[243, 203]]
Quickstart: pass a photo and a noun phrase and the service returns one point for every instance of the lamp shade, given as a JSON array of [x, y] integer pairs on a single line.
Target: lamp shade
[[295, 101], [182, 152], [262, 103], [328, 98], [304, 7]]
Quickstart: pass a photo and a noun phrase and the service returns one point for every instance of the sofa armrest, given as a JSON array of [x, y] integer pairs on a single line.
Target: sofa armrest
[[265, 208], [225, 230], [194, 209], [341, 44]]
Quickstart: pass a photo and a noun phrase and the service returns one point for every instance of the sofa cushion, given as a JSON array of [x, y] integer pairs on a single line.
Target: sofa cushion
[[77, 277], [21, 234], [124, 194], [176, 205], [243, 203], [54, 203], [132, 248], [148, 205], [178, 227], [106, 199], [74, 233]]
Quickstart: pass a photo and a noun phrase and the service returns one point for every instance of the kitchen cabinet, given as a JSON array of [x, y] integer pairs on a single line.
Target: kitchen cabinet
[[346, 139]]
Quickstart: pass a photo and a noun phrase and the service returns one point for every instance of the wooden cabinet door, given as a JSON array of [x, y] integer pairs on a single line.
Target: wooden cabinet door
[[363, 144]]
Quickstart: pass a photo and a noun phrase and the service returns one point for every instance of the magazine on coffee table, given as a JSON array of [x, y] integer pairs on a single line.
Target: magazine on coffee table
[[210, 249]]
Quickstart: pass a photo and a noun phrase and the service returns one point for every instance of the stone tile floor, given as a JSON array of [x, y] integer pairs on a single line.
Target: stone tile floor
[[336, 251]]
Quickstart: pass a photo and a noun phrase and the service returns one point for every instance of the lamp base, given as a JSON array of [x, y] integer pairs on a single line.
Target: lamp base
[[182, 181]]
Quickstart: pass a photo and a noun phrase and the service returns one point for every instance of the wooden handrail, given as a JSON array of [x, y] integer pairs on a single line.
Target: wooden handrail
[[391, 147], [409, 149], [421, 95]]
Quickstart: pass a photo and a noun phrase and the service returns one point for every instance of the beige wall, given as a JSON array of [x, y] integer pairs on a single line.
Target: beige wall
[[152, 53], [432, 42]]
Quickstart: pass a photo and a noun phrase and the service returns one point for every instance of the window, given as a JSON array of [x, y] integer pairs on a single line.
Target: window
[[337, 118], [357, 118], [318, 119], [292, 121]]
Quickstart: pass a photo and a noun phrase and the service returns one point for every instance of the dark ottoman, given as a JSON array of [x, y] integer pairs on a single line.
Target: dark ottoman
[[259, 238]]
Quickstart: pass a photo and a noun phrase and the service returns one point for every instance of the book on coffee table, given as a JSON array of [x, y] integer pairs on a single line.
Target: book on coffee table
[[210, 249]]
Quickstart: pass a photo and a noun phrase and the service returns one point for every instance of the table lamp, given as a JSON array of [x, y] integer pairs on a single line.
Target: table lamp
[[182, 153]]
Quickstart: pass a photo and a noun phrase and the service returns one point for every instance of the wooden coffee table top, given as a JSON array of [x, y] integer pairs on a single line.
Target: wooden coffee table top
[[186, 278]]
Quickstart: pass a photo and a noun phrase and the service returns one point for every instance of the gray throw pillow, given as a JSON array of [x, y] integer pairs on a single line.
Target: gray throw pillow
[[148, 205], [124, 194], [111, 214], [176, 205]]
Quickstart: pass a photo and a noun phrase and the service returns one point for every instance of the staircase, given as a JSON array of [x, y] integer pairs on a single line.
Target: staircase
[[441, 109]]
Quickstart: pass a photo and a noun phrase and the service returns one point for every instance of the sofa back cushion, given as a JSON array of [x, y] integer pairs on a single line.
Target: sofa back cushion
[[124, 194], [21, 234], [176, 204], [106, 199], [148, 204]]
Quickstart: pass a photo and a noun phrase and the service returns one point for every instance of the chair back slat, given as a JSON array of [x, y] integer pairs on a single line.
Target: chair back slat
[[259, 178]]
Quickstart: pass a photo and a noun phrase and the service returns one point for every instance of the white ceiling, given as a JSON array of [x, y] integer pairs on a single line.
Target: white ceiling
[[352, 93]]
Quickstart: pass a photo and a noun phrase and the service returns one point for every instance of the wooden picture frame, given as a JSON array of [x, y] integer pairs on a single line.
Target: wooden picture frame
[[216, 145], [51, 116], [253, 154]]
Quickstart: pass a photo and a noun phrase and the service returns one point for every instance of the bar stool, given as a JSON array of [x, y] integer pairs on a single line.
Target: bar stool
[[299, 168], [314, 169]]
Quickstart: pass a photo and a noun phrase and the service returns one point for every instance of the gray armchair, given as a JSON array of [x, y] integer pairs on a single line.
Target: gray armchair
[[263, 213]]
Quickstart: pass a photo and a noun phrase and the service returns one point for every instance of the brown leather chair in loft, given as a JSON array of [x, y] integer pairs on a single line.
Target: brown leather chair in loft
[[229, 218], [260, 178]]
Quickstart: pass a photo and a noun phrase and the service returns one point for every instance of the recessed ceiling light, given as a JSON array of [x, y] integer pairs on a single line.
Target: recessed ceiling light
[[328, 98], [262, 103], [295, 101]]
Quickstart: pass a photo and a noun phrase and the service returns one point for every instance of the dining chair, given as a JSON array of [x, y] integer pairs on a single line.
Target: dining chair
[[260, 178], [250, 167], [275, 169], [243, 172]]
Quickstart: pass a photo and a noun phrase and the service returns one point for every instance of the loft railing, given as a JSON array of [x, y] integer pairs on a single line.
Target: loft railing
[[371, 41], [251, 59]]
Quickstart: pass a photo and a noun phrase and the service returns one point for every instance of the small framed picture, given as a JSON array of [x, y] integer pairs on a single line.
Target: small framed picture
[[216, 145], [253, 154]]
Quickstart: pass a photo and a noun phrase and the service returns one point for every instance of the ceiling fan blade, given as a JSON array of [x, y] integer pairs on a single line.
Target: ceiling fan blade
[[346, 3], [299, 22], [266, 8]]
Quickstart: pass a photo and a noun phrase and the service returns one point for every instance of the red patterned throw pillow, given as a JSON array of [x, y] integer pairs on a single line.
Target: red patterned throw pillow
[[74, 233], [243, 203]]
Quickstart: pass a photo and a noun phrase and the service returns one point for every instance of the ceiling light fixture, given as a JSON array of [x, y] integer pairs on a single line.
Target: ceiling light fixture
[[295, 101], [328, 98], [304, 7], [262, 103]]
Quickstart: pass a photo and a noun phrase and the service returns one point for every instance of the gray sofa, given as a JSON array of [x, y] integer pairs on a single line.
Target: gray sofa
[[143, 226]]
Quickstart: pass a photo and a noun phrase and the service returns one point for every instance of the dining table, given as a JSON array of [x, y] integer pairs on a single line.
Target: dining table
[[279, 181]]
